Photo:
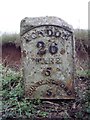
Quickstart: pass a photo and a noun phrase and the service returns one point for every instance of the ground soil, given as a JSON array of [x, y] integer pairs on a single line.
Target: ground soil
[[11, 55]]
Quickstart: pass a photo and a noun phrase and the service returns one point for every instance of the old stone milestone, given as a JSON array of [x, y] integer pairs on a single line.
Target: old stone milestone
[[47, 58]]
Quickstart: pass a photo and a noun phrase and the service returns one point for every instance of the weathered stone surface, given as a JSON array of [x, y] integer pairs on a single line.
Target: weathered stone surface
[[29, 23], [48, 58]]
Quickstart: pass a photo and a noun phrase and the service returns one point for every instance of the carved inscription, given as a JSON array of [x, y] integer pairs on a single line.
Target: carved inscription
[[57, 83], [48, 62], [48, 31], [51, 46]]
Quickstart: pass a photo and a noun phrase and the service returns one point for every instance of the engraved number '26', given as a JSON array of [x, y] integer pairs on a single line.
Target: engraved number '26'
[[52, 48]]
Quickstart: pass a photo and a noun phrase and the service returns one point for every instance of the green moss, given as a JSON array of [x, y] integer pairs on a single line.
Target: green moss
[[83, 72]]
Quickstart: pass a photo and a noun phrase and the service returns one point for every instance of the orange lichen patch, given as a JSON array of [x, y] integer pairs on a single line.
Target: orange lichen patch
[[69, 84], [62, 51]]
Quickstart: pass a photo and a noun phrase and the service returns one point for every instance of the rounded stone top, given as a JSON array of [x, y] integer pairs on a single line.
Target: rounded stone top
[[28, 23]]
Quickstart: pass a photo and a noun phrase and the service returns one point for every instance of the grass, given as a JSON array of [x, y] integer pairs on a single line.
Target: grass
[[81, 34], [14, 38], [14, 104]]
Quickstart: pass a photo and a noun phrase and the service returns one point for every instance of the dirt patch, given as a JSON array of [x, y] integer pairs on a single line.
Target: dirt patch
[[11, 55]]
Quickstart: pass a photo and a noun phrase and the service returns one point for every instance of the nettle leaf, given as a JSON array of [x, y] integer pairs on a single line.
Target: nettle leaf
[[88, 109]]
